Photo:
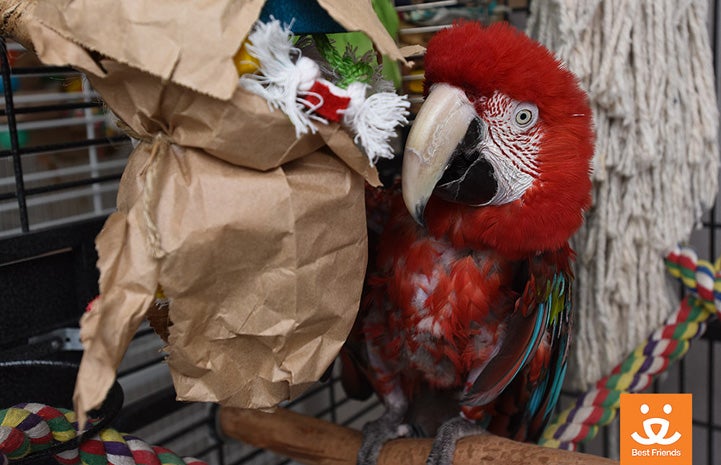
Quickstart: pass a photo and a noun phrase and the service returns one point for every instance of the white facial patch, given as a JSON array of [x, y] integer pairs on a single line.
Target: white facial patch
[[511, 145]]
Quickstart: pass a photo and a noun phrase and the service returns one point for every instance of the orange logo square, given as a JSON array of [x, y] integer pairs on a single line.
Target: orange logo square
[[656, 429]]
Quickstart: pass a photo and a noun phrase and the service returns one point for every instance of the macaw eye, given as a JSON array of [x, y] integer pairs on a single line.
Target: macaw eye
[[525, 115]]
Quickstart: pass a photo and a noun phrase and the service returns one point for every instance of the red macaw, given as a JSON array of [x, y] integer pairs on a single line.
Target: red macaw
[[466, 320]]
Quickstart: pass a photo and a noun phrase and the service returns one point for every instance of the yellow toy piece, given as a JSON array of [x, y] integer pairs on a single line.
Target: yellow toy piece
[[415, 86], [244, 62]]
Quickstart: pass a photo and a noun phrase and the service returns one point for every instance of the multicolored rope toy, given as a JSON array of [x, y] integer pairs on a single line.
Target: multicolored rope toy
[[30, 428], [599, 406]]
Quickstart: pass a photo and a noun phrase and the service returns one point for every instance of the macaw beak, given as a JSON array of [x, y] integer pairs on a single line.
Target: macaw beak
[[444, 145]]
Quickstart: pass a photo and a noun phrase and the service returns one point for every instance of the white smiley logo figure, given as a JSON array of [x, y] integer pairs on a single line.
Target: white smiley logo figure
[[652, 437]]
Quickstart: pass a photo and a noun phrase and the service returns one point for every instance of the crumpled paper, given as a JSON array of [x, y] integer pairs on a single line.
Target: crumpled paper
[[182, 41], [256, 237]]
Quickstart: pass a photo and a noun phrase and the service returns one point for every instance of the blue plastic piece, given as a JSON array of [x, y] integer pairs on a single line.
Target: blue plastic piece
[[14, 84], [5, 139], [304, 16]]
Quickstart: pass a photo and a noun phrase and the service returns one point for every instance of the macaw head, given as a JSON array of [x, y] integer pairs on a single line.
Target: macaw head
[[499, 154]]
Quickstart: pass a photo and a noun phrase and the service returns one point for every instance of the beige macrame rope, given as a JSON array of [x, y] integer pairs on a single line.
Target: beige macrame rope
[[648, 69], [160, 144]]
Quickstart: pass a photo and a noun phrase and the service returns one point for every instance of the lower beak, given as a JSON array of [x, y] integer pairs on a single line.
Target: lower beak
[[438, 130]]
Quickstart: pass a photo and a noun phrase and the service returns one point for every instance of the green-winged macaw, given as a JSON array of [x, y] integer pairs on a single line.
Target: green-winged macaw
[[466, 318]]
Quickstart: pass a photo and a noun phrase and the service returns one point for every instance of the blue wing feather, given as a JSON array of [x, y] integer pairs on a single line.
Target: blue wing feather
[[524, 408]]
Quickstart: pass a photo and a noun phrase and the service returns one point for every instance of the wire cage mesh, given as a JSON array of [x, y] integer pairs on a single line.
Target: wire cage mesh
[[61, 158], [58, 162]]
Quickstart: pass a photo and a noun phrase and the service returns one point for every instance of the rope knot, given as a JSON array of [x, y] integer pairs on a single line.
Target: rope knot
[[701, 278], [159, 144]]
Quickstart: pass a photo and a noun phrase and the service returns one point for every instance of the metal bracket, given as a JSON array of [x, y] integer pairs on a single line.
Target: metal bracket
[[61, 339]]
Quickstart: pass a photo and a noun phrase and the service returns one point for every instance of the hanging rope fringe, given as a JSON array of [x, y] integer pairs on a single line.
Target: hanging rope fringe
[[31, 427], [648, 69], [373, 119], [599, 406], [284, 76]]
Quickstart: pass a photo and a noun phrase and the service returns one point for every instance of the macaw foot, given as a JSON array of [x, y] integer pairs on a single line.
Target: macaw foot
[[377, 432], [444, 445]]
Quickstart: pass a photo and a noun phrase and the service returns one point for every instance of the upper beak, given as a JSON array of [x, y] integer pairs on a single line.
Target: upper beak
[[439, 128]]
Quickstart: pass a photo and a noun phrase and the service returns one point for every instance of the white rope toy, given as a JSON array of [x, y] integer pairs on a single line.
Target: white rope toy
[[281, 81], [296, 88]]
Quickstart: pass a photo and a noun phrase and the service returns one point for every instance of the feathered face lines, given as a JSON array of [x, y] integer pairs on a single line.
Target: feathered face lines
[[512, 144]]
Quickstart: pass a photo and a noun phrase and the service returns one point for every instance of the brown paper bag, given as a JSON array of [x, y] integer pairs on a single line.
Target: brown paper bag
[[263, 269], [257, 237]]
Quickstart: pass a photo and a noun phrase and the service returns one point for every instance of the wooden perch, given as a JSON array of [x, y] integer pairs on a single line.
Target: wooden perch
[[317, 442]]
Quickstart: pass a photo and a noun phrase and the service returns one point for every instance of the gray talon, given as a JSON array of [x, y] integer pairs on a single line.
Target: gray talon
[[444, 444], [376, 433]]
